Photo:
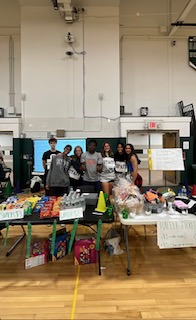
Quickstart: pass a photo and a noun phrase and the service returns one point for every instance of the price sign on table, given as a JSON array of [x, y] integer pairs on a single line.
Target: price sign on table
[[12, 214], [69, 214], [176, 234]]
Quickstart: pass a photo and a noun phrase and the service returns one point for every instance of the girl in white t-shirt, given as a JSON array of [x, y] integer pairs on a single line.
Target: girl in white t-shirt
[[107, 175]]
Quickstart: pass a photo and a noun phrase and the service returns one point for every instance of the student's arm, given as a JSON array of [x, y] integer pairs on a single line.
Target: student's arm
[[44, 161], [134, 163], [1, 156], [83, 163], [99, 163], [44, 164], [99, 168], [48, 178]]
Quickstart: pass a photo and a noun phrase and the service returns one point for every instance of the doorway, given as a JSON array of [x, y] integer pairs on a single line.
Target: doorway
[[6, 148], [145, 140]]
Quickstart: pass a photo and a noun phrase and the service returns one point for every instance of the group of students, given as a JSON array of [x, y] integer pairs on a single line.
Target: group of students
[[98, 169]]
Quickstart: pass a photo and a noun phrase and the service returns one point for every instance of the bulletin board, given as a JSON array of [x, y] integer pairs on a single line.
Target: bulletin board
[[167, 159]]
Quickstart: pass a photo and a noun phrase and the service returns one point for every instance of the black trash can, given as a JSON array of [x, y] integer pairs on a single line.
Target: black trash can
[[194, 173]]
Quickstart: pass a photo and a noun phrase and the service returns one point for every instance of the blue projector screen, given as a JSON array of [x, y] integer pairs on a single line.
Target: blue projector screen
[[40, 146]]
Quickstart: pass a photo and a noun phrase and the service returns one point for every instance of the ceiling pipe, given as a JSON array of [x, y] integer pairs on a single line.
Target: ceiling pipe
[[183, 24], [11, 108], [182, 16]]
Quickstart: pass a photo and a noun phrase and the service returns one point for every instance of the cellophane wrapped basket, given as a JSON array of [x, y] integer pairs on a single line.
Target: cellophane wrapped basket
[[127, 196]]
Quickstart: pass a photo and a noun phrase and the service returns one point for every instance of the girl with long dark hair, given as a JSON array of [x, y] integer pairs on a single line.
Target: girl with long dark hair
[[132, 164]]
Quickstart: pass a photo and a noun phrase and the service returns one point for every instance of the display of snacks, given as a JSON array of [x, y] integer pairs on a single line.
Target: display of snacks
[[47, 207], [50, 208]]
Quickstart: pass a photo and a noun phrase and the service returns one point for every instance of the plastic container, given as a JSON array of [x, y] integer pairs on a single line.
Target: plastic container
[[184, 192], [83, 203]]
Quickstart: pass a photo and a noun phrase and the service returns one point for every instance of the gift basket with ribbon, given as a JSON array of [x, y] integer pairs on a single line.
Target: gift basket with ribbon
[[127, 197]]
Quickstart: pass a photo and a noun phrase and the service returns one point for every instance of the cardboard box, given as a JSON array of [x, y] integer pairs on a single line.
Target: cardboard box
[[61, 244], [39, 254], [84, 249]]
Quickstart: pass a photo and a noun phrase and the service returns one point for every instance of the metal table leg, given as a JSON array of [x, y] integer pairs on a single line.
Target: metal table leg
[[17, 242], [99, 263], [126, 233], [145, 231]]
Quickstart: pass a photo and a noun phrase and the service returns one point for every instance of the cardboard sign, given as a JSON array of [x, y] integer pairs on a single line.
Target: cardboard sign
[[69, 214], [176, 233], [12, 214]]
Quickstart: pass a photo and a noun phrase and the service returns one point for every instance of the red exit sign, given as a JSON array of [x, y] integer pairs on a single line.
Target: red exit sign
[[152, 125]]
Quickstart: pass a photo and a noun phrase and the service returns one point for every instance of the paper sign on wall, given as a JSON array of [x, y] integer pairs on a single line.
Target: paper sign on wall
[[168, 159]]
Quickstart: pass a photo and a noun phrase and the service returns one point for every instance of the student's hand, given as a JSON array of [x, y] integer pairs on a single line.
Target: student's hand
[[83, 167], [47, 187], [99, 168]]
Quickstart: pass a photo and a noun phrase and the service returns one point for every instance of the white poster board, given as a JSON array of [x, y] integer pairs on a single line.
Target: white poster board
[[176, 233], [12, 214], [166, 159], [68, 214]]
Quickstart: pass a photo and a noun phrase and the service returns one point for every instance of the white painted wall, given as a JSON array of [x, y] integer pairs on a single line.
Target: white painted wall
[[156, 74], [60, 90], [9, 26], [181, 124]]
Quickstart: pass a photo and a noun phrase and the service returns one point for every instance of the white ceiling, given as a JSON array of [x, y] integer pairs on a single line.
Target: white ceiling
[[139, 13]]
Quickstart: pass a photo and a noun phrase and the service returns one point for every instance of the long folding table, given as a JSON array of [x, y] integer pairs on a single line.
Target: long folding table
[[88, 220], [147, 220]]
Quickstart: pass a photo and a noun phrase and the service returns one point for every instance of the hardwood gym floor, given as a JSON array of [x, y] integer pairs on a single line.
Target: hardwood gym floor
[[162, 284]]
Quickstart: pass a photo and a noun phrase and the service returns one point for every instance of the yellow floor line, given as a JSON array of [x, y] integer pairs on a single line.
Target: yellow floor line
[[76, 289], [75, 294]]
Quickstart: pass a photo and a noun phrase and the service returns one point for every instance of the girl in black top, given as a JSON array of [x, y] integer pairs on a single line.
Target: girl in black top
[[132, 164], [120, 159], [75, 173]]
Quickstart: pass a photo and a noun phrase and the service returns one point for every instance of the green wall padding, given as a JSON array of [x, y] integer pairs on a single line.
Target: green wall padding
[[112, 141]]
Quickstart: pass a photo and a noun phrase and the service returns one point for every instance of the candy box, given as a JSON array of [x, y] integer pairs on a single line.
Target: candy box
[[84, 249], [39, 254], [61, 244]]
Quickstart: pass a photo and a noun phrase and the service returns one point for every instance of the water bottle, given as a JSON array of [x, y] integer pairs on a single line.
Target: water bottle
[[78, 191], [184, 192]]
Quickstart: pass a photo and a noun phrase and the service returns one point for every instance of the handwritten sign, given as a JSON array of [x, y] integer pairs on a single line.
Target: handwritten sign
[[12, 214], [69, 214], [121, 166], [166, 159], [176, 233]]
